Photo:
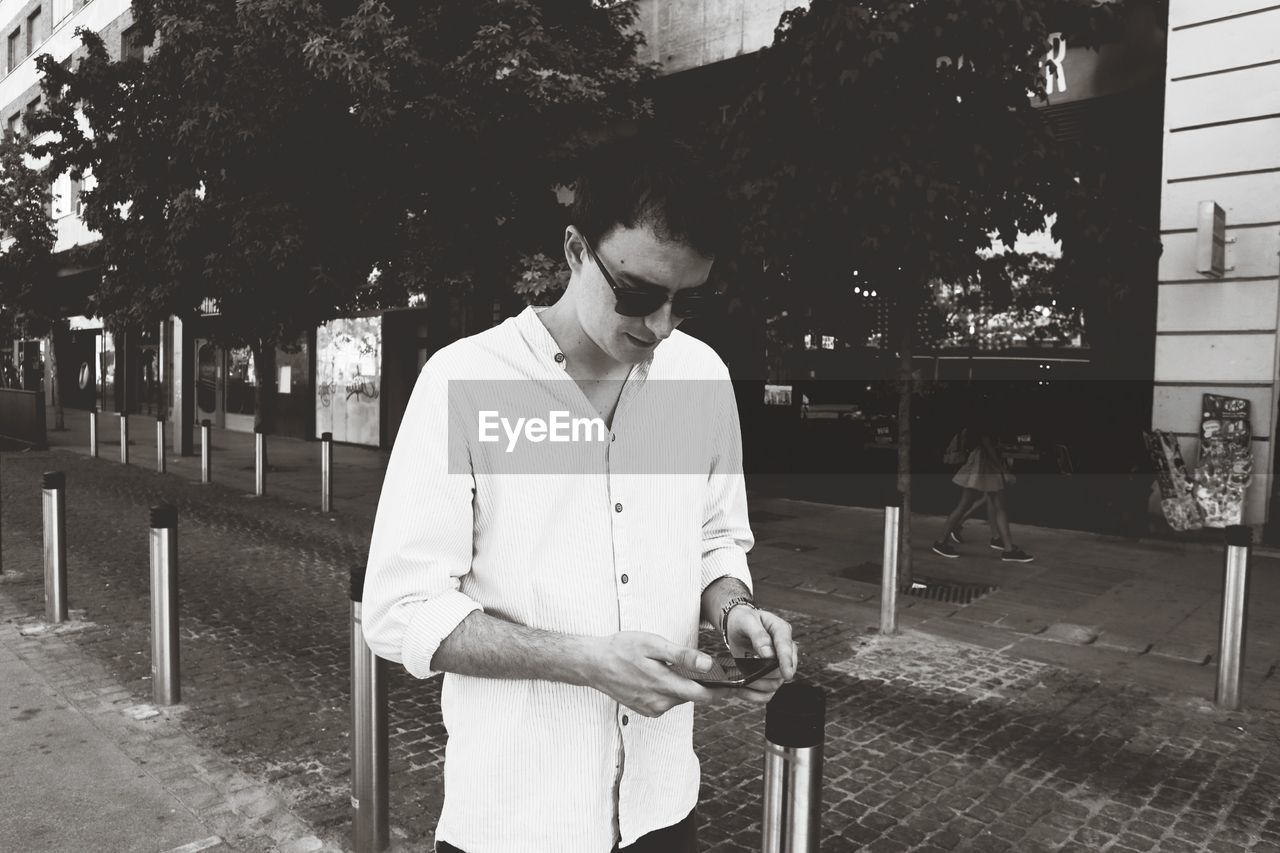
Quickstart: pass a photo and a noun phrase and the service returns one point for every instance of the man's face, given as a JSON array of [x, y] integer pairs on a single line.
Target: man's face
[[635, 257]]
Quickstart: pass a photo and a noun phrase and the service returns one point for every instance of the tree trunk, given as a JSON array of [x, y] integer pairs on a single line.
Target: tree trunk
[[905, 576], [264, 391], [55, 389]]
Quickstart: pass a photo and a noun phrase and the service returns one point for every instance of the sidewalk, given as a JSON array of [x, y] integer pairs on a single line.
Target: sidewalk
[[1145, 609], [932, 744]]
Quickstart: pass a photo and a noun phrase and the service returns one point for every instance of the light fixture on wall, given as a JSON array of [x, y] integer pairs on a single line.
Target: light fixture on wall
[[1211, 240]]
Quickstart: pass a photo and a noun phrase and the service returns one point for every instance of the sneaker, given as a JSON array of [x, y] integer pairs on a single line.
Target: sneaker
[[1015, 555], [943, 549], [997, 544], [954, 538]]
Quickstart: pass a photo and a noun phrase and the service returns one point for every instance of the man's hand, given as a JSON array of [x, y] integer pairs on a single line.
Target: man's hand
[[762, 633], [632, 668]]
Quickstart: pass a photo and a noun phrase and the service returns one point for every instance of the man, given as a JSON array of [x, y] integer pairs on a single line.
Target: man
[[558, 595]]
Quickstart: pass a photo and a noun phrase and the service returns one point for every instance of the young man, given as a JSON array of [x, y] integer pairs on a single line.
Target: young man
[[556, 586]]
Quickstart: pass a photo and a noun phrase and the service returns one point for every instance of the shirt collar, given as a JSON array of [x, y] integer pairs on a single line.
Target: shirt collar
[[547, 350]]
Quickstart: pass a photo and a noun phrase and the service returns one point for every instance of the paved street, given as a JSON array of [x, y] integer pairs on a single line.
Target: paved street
[[934, 743]]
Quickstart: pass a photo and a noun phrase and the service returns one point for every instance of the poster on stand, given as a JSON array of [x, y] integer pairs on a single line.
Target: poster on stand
[[1177, 495], [1226, 459]]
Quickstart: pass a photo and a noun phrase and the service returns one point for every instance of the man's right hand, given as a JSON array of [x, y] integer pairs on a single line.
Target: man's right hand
[[632, 668]]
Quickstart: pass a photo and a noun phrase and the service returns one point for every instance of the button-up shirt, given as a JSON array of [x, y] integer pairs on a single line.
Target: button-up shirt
[[589, 538]]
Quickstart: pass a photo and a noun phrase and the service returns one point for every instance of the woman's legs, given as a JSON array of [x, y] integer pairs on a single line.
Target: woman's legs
[[968, 498], [1001, 515]]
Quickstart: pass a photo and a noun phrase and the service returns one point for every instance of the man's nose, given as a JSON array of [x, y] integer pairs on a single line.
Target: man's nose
[[661, 323]]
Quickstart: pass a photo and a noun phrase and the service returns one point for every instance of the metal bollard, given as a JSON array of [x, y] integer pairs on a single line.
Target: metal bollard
[[1234, 604], [93, 433], [259, 462], [159, 445], [794, 730], [54, 499], [166, 683], [124, 439], [369, 769], [206, 452], [326, 472], [889, 575]]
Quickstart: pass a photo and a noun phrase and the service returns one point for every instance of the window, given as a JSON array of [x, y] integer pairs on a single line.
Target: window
[[14, 59], [33, 21], [62, 196], [131, 46], [14, 125]]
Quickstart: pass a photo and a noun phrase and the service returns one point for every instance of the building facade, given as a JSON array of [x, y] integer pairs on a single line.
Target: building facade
[[1216, 331]]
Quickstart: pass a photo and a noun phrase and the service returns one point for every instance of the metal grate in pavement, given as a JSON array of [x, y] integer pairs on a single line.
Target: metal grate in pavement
[[949, 592], [763, 517], [791, 546], [929, 589]]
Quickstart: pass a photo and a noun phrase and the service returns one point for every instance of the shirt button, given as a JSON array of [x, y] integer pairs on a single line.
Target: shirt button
[[613, 436], [625, 719], [559, 358], [625, 578], [617, 507]]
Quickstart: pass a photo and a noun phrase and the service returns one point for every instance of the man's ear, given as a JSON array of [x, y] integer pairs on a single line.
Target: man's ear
[[575, 250]]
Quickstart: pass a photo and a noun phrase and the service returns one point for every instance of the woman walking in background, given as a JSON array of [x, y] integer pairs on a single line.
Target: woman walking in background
[[983, 475]]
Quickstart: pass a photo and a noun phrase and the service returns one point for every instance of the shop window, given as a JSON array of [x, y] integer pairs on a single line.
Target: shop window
[[242, 382], [33, 21]]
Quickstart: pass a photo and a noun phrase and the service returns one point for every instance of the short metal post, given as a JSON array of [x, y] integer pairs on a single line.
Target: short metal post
[[166, 683], [369, 768], [259, 462], [93, 433], [124, 439], [206, 452], [1234, 600], [326, 472], [889, 572], [54, 499], [794, 731], [159, 445]]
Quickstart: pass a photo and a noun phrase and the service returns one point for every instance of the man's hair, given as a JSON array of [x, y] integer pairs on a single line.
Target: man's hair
[[649, 181]]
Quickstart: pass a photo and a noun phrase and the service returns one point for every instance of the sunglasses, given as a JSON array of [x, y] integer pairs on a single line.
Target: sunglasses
[[641, 302]]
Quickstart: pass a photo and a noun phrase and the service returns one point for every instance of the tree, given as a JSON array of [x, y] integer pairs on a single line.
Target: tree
[[897, 138], [26, 262], [297, 160], [480, 110], [225, 169]]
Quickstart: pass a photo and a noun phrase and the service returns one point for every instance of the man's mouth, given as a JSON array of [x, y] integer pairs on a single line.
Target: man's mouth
[[640, 342]]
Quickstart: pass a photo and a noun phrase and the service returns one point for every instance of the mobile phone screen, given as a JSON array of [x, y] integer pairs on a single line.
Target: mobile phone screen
[[728, 671]]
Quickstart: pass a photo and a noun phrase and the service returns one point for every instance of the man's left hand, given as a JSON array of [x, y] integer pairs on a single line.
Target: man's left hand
[[762, 633]]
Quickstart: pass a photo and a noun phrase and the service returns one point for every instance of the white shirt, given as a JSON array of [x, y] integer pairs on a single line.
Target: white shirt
[[618, 535]]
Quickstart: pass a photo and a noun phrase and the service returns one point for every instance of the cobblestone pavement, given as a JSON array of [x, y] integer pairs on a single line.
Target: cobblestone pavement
[[932, 745]]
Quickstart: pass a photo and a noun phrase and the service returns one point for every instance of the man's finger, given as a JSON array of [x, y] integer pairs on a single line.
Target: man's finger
[[780, 631], [678, 655]]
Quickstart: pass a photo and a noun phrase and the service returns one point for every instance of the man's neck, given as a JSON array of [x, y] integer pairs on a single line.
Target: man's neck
[[584, 360]]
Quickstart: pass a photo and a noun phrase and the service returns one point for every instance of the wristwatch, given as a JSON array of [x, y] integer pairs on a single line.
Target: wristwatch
[[724, 614]]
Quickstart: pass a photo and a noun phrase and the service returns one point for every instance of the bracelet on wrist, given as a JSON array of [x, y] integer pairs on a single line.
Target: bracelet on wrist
[[724, 614]]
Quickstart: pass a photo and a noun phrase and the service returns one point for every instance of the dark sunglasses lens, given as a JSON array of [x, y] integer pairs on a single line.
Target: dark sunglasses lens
[[634, 304], [692, 304]]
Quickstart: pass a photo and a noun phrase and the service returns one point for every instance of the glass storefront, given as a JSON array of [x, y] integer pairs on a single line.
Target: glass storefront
[[349, 379]]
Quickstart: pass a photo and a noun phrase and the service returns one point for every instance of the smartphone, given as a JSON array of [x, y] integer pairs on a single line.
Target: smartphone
[[729, 671]]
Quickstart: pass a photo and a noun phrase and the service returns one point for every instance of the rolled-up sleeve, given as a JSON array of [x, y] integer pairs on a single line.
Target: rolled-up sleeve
[[422, 535], [726, 531]]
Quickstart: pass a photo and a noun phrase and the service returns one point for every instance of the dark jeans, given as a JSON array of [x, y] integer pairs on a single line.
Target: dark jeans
[[680, 838]]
